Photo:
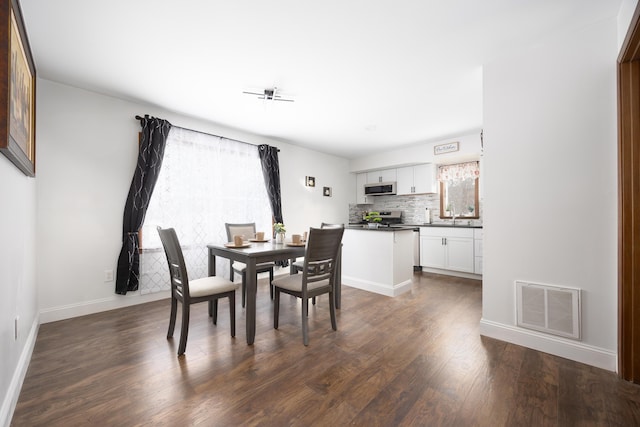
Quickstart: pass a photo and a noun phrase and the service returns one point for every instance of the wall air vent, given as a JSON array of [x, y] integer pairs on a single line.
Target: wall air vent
[[551, 309]]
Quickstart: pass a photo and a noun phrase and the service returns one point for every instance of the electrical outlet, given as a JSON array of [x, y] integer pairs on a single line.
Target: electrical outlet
[[15, 328], [108, 275]]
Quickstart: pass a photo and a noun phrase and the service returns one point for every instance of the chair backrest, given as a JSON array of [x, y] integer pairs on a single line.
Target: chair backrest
[[321, 253], [175, 260], [327, 225], [248, 230]]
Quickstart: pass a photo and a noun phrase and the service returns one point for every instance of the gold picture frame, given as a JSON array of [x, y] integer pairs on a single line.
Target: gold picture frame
[[17, 91]]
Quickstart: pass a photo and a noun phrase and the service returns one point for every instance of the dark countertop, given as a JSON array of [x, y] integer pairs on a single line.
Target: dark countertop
[[401, 227], [448, 225]]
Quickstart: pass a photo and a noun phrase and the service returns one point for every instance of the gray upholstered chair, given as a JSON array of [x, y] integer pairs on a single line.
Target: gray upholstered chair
[[209, 289], [248, 230], [317, 278]]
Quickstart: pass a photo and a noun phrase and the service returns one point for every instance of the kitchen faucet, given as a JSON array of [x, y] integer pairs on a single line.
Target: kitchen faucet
[[453, 213]]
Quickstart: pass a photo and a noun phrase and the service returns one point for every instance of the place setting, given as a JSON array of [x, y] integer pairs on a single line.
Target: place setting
[[298, 240], [238, 243], [259, 238]]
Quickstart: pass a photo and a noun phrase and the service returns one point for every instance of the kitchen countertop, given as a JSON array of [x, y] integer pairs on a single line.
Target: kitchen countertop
[[448, 225], [400, 227]]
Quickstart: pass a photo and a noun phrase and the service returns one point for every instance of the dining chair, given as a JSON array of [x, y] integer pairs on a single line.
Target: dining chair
[[317, 278], [248, 230], [188, 292], [297, 265]]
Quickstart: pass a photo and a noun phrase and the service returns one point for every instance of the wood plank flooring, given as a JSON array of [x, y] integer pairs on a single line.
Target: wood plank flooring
[[413, 360]]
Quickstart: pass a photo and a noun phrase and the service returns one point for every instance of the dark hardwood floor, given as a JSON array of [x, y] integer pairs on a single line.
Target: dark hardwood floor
[[413, 360]]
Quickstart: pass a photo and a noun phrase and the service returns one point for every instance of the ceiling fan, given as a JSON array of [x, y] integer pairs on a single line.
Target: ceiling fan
[[269, 94]]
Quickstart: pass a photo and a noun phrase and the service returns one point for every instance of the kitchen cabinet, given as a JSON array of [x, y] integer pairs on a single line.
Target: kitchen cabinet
[[419, 179], [447, 248], [477, 250], [361, 180], [383, 175]]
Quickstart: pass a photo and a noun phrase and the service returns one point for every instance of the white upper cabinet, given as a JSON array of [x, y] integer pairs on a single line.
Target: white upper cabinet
[[404, 184], [420, 179], [361, 180], [383, 175]]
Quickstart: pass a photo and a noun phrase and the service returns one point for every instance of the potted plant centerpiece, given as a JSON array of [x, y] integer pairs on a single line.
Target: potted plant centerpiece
[[373, 218], [279, 229]]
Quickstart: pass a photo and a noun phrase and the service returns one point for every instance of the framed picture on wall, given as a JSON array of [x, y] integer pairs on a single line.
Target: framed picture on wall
[[18, 94]]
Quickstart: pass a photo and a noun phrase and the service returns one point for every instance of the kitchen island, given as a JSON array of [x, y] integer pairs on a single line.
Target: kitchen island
[[378, 260]]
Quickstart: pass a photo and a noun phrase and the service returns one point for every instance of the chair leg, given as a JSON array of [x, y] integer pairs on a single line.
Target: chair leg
[[332, 311], [184, 329], [305, 321], [214, 303], [313, 300], [232, 313], [276, 308], [172, 316]]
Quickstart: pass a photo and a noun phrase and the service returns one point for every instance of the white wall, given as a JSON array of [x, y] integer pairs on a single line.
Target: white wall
[[305, 207], [550, 185], [17, 281], [627, 8], [420, 153], [87, 147]]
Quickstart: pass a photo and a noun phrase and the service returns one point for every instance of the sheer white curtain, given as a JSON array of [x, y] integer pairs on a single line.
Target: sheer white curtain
[[204, 182]]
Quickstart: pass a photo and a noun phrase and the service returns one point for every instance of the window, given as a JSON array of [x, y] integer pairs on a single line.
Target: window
[[204, 182], [459, 190]]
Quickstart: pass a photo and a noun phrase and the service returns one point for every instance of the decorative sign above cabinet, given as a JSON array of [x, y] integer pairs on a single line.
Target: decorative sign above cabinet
[[446, 148]]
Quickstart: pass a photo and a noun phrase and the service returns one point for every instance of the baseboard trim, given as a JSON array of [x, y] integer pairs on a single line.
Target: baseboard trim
[[572, 350], [452, 273], [13, 393], [69, 311], [378, 288]]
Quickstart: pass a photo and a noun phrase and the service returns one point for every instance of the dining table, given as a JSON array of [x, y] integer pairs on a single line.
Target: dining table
[[253, 253]]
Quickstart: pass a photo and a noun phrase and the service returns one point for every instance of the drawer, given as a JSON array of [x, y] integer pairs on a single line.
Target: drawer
[[446, 232]]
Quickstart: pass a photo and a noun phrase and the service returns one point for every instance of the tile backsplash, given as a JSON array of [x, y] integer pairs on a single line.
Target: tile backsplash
[[412, 207]]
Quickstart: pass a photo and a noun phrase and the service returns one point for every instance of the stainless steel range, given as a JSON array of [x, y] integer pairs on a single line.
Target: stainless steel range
[[390, 218]]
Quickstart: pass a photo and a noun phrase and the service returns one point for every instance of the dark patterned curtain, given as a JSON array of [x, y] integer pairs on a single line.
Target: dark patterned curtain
[[271, 173], [152, 143]]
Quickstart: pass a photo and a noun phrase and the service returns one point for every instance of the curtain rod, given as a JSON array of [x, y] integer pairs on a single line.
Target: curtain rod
[[146, 116]]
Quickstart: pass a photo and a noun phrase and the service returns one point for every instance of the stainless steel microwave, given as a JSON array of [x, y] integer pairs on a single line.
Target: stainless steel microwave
[[380, 189]]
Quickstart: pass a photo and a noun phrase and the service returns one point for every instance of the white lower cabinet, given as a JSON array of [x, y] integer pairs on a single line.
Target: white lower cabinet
[[447, 248], [477, 243]]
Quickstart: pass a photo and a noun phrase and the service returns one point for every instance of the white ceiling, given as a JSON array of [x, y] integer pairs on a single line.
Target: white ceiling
[[365, 74]]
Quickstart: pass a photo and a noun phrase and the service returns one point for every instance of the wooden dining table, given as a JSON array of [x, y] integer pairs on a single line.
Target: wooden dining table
[[256, 253]]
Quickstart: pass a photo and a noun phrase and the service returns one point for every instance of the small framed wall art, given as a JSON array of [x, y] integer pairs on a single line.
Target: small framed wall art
[[18, 96], [326, 191]]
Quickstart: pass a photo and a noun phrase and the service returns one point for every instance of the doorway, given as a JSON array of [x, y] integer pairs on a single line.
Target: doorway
[[629, 203]]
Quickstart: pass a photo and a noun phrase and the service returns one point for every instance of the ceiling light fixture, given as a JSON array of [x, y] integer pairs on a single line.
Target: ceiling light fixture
[[269, 94]]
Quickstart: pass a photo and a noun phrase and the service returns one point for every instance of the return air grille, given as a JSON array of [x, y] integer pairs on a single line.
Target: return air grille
[[551, 309]]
